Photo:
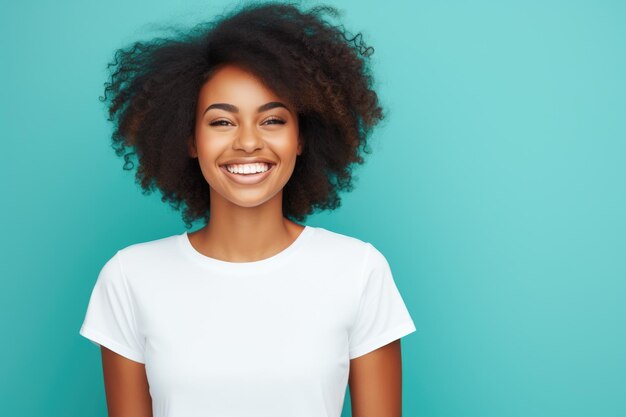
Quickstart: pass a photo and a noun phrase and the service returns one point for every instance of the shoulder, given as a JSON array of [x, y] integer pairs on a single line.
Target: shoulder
[[370, 256], [147, 255], [330, 237], [151, 247], [346, 246]]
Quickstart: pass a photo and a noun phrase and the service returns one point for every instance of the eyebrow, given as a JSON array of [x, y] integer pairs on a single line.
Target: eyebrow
[[234, 109]]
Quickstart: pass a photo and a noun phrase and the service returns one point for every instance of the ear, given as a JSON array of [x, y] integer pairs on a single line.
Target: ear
[[300, 145], [191, 147]]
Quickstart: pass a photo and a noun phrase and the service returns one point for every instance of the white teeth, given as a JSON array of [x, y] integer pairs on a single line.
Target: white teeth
[[248, 168]]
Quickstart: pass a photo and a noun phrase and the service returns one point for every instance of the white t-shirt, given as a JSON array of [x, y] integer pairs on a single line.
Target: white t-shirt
[[269, 338]]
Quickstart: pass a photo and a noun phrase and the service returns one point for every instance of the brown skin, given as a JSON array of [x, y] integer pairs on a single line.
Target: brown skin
[[126, 386], [375, 382], [251, 217]]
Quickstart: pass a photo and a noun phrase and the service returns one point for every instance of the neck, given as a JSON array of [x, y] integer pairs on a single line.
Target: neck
[[245, 234]]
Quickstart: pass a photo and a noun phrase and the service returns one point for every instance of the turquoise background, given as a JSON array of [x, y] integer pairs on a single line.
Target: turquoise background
[[496, 190]]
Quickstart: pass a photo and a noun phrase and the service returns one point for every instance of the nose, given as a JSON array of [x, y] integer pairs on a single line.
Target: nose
[[248, 139]]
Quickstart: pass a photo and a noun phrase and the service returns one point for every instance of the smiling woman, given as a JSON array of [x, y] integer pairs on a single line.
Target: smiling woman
[[249, 122], [238, 115], [301, 57]]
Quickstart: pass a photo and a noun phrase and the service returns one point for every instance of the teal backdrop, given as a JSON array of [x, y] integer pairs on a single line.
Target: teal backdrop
[[496, 190]]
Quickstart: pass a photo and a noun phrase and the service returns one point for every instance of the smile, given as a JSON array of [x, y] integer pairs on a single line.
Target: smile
[[249, 178]]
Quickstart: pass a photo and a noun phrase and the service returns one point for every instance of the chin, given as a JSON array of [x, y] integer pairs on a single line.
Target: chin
[[252, 201]]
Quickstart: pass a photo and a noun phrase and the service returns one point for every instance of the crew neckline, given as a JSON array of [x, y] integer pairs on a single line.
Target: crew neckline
[[244, 267]]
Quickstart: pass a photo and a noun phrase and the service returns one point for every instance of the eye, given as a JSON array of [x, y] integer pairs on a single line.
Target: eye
[[275, 120], [219, 123]]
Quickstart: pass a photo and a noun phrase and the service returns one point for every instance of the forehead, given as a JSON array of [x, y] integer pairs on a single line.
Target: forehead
[[236, 85]]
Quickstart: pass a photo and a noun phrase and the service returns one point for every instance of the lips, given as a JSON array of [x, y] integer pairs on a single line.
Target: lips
[[242, 161]]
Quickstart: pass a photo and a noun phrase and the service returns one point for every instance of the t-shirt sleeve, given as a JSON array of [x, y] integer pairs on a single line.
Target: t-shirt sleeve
[[382, 315], [110, 318]]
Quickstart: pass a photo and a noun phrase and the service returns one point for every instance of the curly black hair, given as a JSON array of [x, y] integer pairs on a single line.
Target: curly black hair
[[317, 66]]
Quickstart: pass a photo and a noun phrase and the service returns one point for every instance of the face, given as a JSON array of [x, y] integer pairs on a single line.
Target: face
[[246, 138]]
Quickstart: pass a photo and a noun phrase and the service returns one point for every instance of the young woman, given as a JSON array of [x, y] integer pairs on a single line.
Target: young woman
[[249, 123]]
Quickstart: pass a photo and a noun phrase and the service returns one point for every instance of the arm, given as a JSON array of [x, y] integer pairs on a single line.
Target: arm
[[126, 386], [375, 381]]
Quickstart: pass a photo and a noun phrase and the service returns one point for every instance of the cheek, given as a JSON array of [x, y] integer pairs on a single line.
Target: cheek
[[208, 143], [288, 142], [208, 152]]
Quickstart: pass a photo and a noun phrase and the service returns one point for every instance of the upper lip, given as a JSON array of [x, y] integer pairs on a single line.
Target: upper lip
[[247, 161]]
